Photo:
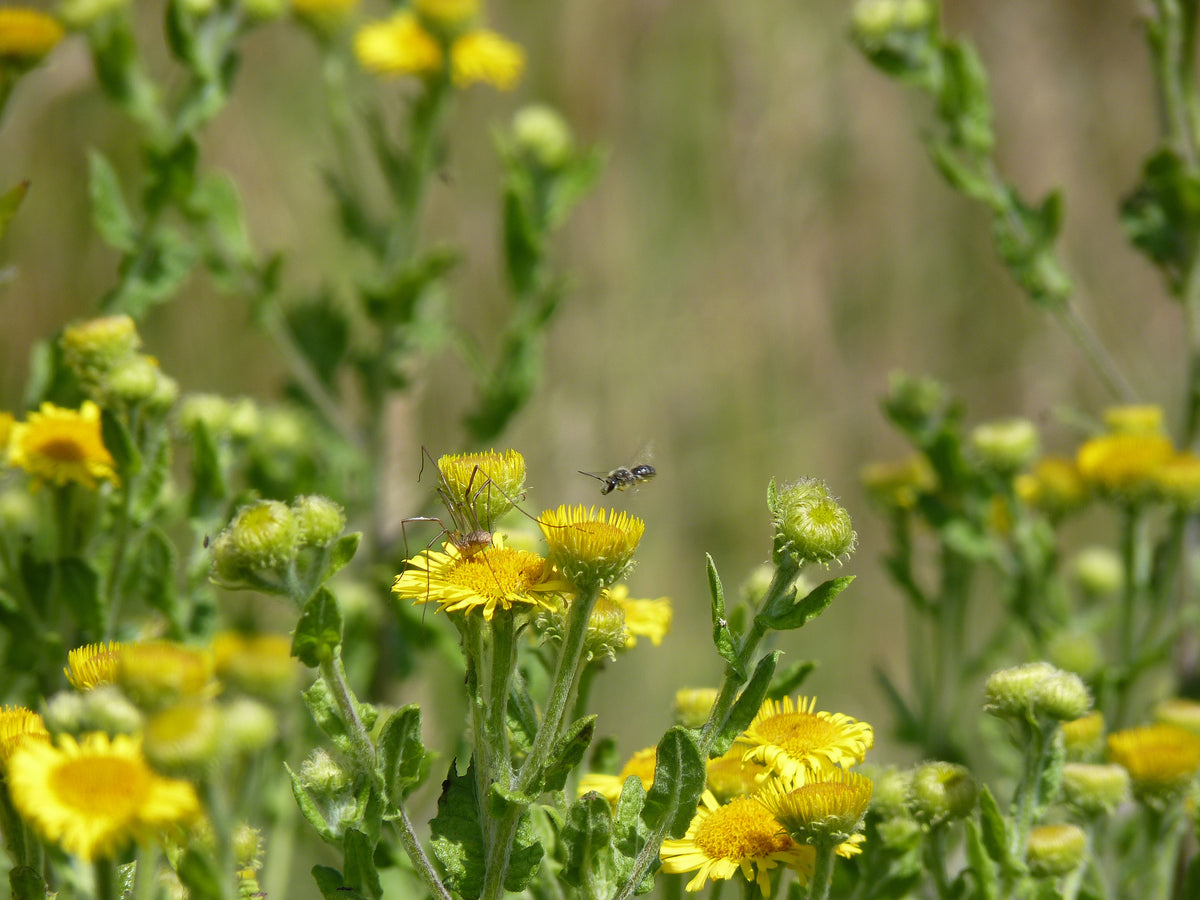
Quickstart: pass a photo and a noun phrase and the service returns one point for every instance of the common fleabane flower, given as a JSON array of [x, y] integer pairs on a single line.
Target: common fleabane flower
[[398, 46], [739, 837], [482, 56], [1161, 759], [18, 725], [95, 796], [792, 738], [643, 618], [824, 812], [497, 577], [92, 665], [26, 35], [62, 446]]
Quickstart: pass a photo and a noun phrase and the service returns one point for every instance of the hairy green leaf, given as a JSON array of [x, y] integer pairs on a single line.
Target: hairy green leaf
[[747, 705], [110, 215], [456, 835], [568, 752], [401, 753], [586, 836], [630, 835], [359, 863], [679, 777], [722, 637], [319, 631], [801, 611]]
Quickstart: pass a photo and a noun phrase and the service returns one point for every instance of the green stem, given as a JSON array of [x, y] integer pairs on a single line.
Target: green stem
[[492, 753], [105, 874], [334, 677], [1039, 744], [112, 597], [1163, 834], [822, 878], [935, 861], [1095, 352], [416, 854], [1132, 553]]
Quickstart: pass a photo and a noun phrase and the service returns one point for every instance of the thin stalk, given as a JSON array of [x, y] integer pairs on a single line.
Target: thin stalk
[[493, 755], [416, 855], [1131, 549], [1039, 744], [822, 878], [334, 677], [935, 861], [105, 875]]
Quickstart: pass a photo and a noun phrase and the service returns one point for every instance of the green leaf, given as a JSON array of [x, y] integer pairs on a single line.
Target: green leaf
[[120, 443], [961, 174], [332, 885], [787, 682], [27, 884], [10, 201], [679, 777], [722, 637], [360, 872], [325, 714], [152, 276], [197, 872], [963, 101], [79, 586], [525, 858], [343, 551], [209, 487], [570, 186], [151, 574], [321, 329], [401, 753], [815, 602], [216, 205], [586, 836], [1161, 216], [774, 502], [149, 489], [982, 867], [319, 632], [747, 705], [310, 810], [568, 751], [994, 832], [630, 835], [110, 215], [456, 835]]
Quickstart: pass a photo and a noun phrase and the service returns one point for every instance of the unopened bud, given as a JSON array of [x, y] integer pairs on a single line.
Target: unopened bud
[[942, 791], [1006, 447], [1055, 850]]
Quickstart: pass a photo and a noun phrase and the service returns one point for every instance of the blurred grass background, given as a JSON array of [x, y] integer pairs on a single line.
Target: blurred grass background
[[767, 243]]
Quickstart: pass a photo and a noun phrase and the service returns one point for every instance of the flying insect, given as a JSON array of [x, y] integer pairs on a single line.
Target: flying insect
[[623, 478]]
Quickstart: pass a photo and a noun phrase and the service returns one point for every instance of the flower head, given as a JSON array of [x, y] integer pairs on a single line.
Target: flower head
[[811, 523], [1055, 850], [398, 46], [1161, 759], [497, 577], [62, 445], [825, 811], [898, 484], [1124, 464], [643, 618], [1054, 486], [156, 674], [1005, 446], [592, 548], [941, 791], [792, 738], [739, 836], [448, 13], [640, 764], [258, 664], [18, 725], [26, 35], [482, 56], [485, 485], [95, 796], [93, 665], [92, 348], [1094, 788], [730, 775]]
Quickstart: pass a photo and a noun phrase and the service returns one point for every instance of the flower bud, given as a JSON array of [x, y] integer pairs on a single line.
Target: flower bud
[[210, 410], [185, 738], [542, 134], [942, 791], [1009, 693], [815, 528], [321, 775], [692, 706], [1098, 571], [18, 510], [1076, 652], [165, 394], [893, 788], [605, 629], [245, 419], [1055, 850], [1094, 789], [1061, 696], [1180, 712], [92, 348], [898, 485], [247, 847], [250, 726], [1006, 446], [79, 15], [133, 380], [1083, 738], [1054, 486], [1178, 481], [157, 674], [319, 519], [264, 535]]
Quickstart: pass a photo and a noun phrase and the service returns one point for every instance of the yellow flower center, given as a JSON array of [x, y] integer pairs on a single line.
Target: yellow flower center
[[798, 733], [102, 786], [62, 448], [498, 572], [741, 829]]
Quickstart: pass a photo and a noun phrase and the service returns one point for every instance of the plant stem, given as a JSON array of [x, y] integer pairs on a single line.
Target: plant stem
[[822, 878], [408, 839]]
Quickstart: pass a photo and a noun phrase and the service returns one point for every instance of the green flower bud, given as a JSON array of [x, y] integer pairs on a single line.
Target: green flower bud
[[79, 15], [264, 535], [284, 430], [245, 419], [186, 738], [1061, 696], [1007, 446], [1075, 652], [1083, 738], [322, 777], [264, 10], [605, 630], [900, 834], [811, 524], [1098, 571], [319, 519], [18, 511], [247, 847], [1010, 692], [133, 380], [893, 788], [165, 394], [919, 402], [1055, 850], [942, 791], [210, 410], [249, 725], [542, 134], [1095, 789], [91, 349]]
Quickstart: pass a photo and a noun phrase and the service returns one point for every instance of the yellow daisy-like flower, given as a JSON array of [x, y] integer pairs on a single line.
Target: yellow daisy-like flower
[[793, 738], [93, 665], [823, 812], [643, 618], [1054, 486], [486, 57], [1178, 481], [730, 775], [486, 485], [18, 725], [1124, 464], [738, 837], [156, 674], [497, 577], [62, 445], [1161, 759], [258, 664], [609, 787], [592, 548], [27, 35], [398, 46], [95, 796]]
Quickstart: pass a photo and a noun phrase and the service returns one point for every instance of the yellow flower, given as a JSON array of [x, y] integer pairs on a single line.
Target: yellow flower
[[1161, 759], [18, 725], [398, 46], [1082, 736], [732, 776], [643, 618], [792, 738], [827, 811], [185, 737], [1054, 486], [478, 488], [898, 484], [27, 35], [156, 674], [1124, 464], [62, 445], [484, 56], [495, 577], [95, 796], [1178, 481], [640, 764], [740, 836], [592, 548], [692, 705], [447, 12], [1134, 419], [258, 664], [93, 665]]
